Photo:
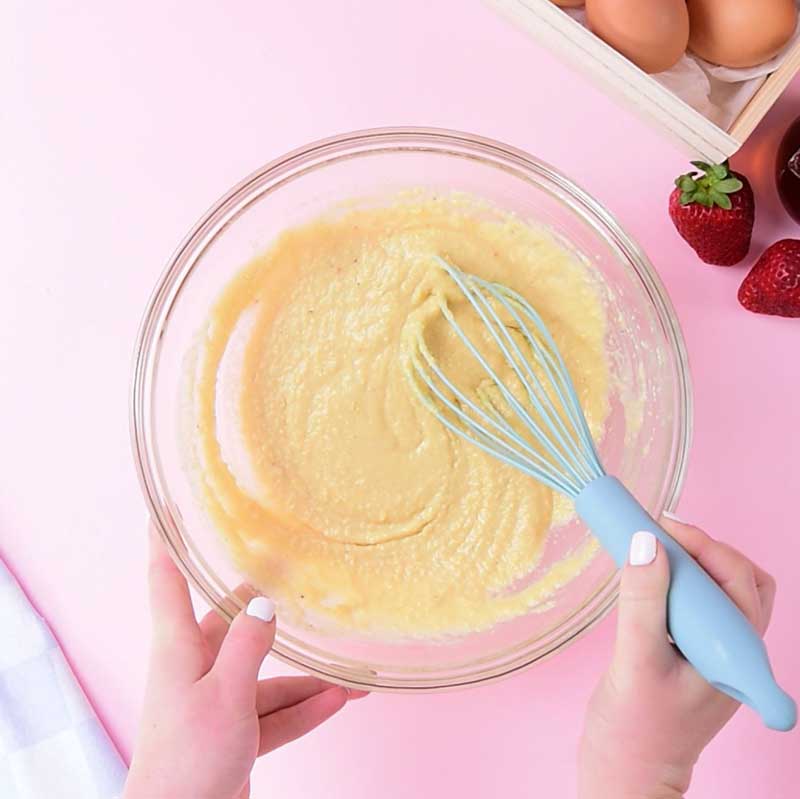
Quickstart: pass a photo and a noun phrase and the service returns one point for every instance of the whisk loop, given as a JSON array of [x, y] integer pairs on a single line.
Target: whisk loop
[[566, 459], [551, 442]]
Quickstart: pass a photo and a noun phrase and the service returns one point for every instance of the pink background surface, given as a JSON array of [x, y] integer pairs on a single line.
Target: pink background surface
[[121, 123]]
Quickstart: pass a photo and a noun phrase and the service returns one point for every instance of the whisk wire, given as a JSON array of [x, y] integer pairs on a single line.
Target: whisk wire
[[532, 464], [585, 455], [559, 373], [509, 397], [504, 454], [536, 392]]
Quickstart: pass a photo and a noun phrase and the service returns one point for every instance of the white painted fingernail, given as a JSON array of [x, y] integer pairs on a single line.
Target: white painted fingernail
[[672, 517], [643, 548], [261, 607]]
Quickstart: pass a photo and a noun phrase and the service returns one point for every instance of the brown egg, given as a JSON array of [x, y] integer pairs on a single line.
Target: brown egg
[[651, 33], [740, 33], [568, 3]]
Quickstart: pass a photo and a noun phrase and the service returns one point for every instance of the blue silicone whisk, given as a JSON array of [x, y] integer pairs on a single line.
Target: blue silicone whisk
[[539, 428]]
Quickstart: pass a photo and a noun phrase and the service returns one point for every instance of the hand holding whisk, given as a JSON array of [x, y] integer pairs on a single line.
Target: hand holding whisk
[[532, 420]]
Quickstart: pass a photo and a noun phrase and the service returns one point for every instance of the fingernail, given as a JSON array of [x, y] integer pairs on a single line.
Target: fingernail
[[672, 517], [261, 607], [643, 548]]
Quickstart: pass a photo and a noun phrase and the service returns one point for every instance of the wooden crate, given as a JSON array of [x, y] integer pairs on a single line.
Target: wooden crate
[[697, 134]]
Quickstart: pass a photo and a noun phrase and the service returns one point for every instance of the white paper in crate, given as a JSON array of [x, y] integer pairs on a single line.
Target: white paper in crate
[[52, 745]]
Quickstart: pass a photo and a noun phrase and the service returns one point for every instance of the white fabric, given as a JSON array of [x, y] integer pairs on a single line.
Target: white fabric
[[52, 745]]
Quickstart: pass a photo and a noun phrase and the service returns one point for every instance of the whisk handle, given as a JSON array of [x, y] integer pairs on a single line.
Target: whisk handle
[[710, 631]]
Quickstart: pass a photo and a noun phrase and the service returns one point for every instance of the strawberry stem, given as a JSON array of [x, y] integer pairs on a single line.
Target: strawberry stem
[[711, 188]]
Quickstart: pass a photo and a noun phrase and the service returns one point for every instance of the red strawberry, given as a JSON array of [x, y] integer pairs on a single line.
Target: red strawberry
[[773, 285], [714, 212]]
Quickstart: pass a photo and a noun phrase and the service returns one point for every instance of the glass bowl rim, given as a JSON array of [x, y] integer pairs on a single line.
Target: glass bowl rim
[[269, 178]]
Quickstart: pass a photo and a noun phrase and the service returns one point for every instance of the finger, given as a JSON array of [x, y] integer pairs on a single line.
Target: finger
[[642, 641], [170, 602], [214, 628], [292, 722], [732, 570], [280, 692], [247, 643], [766, 587], [176, 637]]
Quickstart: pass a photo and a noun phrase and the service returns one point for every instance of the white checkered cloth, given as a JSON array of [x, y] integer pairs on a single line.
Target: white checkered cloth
[[51, 744]]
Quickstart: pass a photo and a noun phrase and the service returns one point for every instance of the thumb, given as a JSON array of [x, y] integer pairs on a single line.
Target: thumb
[[246, 644], [642, 642]]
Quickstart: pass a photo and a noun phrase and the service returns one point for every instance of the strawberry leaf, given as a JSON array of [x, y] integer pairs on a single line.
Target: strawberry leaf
[[720, 199], [724, 202], [729, 185], [720, 171], [701, 197], [710, 188]]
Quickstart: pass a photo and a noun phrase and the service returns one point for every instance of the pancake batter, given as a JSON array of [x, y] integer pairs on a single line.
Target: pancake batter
[[337, 492]]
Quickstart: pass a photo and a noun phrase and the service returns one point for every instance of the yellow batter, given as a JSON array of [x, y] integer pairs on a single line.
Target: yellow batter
[[336, 490]]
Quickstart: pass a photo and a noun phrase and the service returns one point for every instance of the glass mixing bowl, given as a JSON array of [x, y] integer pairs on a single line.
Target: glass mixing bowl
[[648, 431]]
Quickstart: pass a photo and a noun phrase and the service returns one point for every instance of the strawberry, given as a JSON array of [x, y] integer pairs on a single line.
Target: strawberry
[[773, 285], [714, 212]]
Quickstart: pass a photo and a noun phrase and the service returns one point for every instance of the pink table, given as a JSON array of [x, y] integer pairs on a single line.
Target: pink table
[[122, 123]]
